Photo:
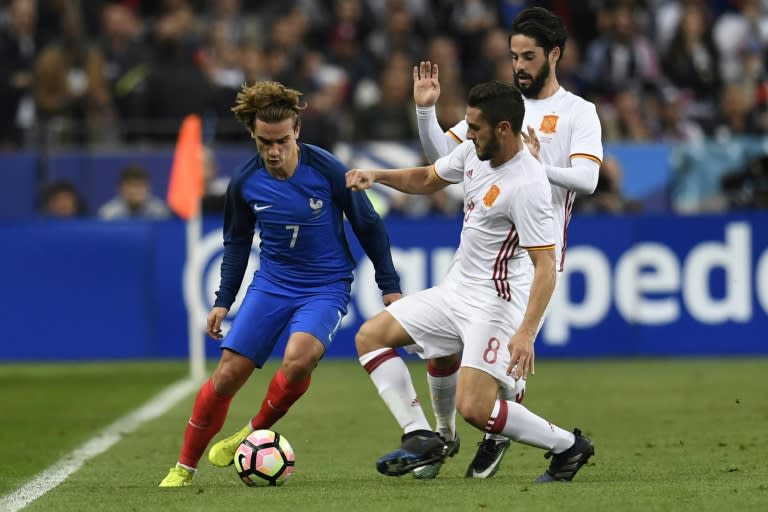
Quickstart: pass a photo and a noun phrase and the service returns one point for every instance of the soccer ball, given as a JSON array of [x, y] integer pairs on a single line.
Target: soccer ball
[[264, 458]]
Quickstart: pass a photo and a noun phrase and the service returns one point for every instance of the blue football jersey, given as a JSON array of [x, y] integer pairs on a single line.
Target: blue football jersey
[[301, 225]]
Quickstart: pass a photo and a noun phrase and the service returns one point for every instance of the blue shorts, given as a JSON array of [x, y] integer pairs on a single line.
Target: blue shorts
[[265, 316]]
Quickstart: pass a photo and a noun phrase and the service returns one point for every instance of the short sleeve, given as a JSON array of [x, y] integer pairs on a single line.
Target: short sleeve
[[451, 167], [532, 214], [586, 141]]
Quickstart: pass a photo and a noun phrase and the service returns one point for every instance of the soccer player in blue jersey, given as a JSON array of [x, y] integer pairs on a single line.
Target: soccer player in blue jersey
[[296, 196]]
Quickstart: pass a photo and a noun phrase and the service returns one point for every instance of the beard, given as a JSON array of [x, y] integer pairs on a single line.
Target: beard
[[536, 82], [490, 150]]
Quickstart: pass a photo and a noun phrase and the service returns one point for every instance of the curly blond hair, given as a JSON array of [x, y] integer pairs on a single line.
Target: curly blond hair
[[268, 101]]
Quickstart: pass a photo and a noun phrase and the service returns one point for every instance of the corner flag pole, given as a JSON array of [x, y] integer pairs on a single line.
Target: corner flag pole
[[185, 191]]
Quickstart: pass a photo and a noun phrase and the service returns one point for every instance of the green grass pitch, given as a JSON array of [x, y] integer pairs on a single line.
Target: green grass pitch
[[669, 434]]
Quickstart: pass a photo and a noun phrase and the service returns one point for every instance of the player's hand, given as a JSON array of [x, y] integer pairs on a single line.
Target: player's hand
[[391, 297], [532, 141], [522, 356], [426, 87], [215, 317], [358, 179]]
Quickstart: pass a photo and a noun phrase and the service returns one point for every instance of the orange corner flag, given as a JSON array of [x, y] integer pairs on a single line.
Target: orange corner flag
[[185, 188]]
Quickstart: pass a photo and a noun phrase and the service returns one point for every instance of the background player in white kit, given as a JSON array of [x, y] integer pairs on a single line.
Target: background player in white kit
[[489, 306], [563, 131]]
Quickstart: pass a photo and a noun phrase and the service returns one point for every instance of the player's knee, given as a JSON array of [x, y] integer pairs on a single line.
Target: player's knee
[[297, 368], [366, 339], [229, 378], [474, 411], [300, 364]]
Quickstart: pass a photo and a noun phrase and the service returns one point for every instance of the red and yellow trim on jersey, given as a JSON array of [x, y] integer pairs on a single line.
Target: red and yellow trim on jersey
[[434, 171], [539, 247], [587, 156], [454, 136]]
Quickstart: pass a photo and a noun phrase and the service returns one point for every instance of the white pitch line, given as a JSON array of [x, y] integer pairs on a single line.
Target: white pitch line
[[67, 465]]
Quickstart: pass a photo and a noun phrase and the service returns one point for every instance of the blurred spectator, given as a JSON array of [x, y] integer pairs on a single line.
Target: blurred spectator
[[622, 58], [674, 126], [323, 120], [444, 51], [736, 116], [666, 21], [747, 187], [472, 19], [19, 44], [176, 85], [692, 62], [221, 60], [215, 190], [98, 72], [286, 35], [253, 62], [62, 200], [753, 82], [396, 33], [126, 65], [423, 13], [626, 117], [493, 51], [345, 47], [746, 27], [569, 69], [72, 97], [391, 117], [240, 27], [608, 197], [581, 20], [134, 198]]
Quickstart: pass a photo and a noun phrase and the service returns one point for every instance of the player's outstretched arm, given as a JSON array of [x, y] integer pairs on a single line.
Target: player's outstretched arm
[[410, 180], [426, 90]]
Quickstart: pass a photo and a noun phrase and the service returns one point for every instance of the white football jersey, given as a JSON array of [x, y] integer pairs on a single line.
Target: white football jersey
[[507, 212], [567, 127]]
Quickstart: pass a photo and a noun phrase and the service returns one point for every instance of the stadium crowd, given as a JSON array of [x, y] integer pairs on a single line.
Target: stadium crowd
[[106, 73]]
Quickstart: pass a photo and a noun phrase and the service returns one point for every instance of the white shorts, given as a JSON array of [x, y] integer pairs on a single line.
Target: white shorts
[[448, 319]]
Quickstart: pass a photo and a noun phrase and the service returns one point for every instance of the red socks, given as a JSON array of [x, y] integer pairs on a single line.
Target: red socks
[[210, 411], [208, 415], [280, 397]]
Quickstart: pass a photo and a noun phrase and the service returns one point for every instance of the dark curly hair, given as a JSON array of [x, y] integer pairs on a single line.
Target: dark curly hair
[[543, 26]]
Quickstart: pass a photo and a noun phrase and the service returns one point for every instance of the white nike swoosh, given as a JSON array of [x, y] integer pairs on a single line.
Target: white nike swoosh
[[259, 208]]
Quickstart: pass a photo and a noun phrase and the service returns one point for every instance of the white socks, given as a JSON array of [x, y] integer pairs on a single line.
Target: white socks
[[393, 381], [442, 390], [513, 394], [518, 423]]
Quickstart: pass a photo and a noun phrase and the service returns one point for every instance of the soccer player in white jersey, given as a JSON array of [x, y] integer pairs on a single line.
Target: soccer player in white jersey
[[563, 131], [489, 306]]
